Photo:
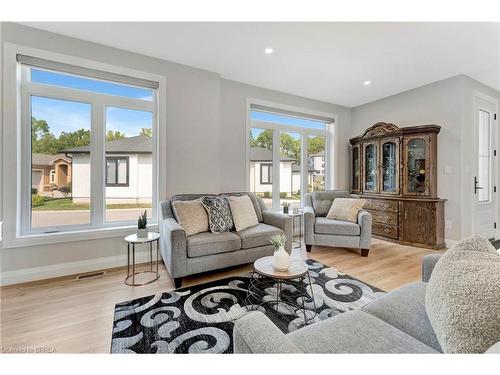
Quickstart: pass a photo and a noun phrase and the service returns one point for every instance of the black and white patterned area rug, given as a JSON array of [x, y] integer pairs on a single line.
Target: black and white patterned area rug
[[200, 319]]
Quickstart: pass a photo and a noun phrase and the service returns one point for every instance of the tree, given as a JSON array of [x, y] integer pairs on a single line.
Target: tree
[[290, 146], [316, 145], [78, 138], [114, 135], [148, 132], [264, 139], [42, 141]]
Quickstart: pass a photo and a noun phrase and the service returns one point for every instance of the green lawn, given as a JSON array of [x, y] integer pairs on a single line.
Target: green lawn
[[64, 204]]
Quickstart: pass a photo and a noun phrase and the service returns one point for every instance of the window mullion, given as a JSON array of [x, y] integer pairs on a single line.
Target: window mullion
[[304, 166], [97, 161], [276, 169]]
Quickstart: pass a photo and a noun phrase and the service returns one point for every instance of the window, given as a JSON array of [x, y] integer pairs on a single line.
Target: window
[[266, 176], [116, 171], [89, 137], [484, 156], [287, 155]]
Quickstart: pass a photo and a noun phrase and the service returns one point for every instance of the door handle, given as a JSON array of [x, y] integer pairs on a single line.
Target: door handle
[[476, 188]]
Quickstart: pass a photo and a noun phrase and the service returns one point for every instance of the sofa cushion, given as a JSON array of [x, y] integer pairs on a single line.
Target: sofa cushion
[[404, 308], [243, 212], [322, 225], [322, 200], [257, 236], [191, 216], [462, 297], [345, 209], [208, 243], [219, 214], [355, 332]]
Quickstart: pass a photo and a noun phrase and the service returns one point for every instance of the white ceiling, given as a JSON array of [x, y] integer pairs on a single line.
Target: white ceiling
[[324, 61]]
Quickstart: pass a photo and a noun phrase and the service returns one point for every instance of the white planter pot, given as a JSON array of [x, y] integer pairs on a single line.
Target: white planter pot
[[142, 233], [281, 259]]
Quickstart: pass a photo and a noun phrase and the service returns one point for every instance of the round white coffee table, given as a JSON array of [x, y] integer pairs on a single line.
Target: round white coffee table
[[133, 240], [265, 276]]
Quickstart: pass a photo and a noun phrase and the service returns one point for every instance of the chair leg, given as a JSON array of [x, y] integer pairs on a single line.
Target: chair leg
[[364, 252], [308, 248], [178, 282]]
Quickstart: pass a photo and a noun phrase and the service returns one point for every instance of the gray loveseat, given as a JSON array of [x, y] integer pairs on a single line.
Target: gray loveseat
[[187, 255], [394, 323], [318, 230]]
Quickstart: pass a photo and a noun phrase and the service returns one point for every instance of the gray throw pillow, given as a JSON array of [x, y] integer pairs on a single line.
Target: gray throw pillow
[[463, 297], [219, 214]]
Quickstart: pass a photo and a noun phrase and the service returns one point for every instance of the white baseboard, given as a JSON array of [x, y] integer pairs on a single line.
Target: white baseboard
[[66, 269]]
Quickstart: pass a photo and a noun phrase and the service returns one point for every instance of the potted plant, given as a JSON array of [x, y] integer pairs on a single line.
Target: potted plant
[[286, 206], [142, 222], [281, 259]]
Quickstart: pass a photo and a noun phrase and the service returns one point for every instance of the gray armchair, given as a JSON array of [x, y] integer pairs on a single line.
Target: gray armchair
[[187, 255], [318, 230]]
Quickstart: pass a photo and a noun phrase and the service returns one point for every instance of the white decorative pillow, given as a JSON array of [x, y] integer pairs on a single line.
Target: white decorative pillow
[[345, 209], [243, 212], [462, 298], [191, 216]]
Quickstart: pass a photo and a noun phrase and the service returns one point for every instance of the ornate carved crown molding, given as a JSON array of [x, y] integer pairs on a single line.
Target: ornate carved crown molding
[[383, 129], [380, 128]]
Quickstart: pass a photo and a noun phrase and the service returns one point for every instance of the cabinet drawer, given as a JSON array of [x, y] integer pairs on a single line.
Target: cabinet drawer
[[384, 217], [385, 230], [381, 205]]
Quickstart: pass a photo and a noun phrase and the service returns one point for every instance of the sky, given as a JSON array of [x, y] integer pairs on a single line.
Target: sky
[[68, 116]]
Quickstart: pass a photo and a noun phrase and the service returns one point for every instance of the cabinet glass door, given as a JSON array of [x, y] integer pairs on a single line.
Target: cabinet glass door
[[356, 174], [370, 168], [390, 162], [416, 166]]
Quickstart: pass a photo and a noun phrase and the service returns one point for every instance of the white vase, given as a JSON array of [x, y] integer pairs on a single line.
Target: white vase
[[142, 233], [281, 259]]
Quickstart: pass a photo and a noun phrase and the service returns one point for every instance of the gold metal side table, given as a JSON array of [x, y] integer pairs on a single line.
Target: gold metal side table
[[133, 240]]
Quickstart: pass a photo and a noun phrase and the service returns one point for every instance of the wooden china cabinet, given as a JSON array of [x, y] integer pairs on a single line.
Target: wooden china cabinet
[[395, 170]]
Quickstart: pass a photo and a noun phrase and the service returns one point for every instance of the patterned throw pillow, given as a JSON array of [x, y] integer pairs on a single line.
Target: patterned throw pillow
[[219, 214], [345, 209]]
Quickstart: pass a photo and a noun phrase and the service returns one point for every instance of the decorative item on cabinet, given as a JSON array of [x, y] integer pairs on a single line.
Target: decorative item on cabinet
[[395, 169]]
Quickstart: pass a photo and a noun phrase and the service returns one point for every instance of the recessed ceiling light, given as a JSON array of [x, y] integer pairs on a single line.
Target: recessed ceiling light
[[366, 83], [268, 51]]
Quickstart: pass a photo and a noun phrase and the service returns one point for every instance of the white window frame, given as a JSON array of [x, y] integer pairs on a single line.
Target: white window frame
[[16, 121], [304, 133]]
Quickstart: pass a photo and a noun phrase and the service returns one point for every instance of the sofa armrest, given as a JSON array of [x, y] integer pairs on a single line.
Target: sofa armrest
[[282, 221], [255, 333], [365, 223], [309, 219], [428, 264], [174, 251]]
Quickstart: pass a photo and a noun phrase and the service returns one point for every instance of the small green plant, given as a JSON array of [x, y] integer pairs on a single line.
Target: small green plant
[[65, 190], [37, 200], [142, 222], [278, 240], [34, 190], [286, 204]]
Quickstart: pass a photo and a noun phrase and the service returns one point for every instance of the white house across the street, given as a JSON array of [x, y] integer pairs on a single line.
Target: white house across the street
[[261, 161], [128, 171]]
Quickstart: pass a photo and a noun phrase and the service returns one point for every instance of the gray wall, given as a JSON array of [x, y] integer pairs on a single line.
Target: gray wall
[[448, 103], [205, 147]]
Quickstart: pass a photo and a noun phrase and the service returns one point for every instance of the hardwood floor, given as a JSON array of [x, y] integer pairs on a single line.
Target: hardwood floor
[[66, 315]]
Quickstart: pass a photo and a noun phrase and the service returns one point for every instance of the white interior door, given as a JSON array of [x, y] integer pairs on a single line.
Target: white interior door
[[485, 171]]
